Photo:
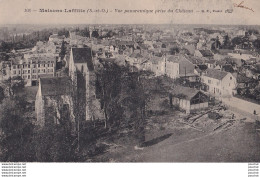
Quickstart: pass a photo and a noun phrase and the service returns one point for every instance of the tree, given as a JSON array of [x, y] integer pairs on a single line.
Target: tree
[[109, 78], [14, 85], [174, 50], [237, 40], [16, 131], [85, 32], [95, 34], [2, 94], [55, 142], [226, 42]]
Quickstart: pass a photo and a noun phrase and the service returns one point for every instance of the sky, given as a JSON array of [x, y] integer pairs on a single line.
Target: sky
[[12, 12]]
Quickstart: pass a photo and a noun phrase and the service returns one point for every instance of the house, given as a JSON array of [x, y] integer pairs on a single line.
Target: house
[[54, 104], [188, 99], [228, 68], [241, 56], [81, 71], [204, 54], [30, 70], [210, 64], [186, 68], [220, 83], [172, 67], [153, 63]]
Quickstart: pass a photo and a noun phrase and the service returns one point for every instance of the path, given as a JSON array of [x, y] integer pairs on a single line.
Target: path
[[245, 106]]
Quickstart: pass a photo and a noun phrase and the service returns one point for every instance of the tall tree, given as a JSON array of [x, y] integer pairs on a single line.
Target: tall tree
[[16, 131]]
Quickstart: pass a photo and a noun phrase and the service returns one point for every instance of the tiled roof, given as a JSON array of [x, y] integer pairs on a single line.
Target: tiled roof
[[228, 68], [83, 55], [185, 91], [210, 61], [206, 53], [216, 74], [55, 86]]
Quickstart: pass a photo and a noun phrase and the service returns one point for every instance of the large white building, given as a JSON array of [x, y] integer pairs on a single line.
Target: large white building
[[30, 70], [220, 83]]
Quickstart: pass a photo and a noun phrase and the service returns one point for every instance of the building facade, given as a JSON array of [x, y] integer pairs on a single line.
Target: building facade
[[220, 83], [54, 102], [30, 70]]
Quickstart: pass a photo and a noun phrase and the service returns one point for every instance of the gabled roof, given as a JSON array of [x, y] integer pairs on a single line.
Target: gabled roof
[[187, 92], [55, 86], [216, 74], [83, 55], [228, 68], [210, 61], [241, 78], [175, 58], [206, 53]]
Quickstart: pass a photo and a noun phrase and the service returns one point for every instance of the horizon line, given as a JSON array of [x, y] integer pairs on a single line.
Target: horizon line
[[127, 24]]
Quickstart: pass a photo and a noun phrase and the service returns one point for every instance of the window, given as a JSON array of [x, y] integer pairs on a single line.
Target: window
[[14, 67], [28, 76], [43, 70], [14, 72], [29, 71], [43, 65], [39, 70], [34, 66], [209, 81], [28, 66], [19, 72], [230, 78], [23, 66], [48, 65], [39, 65]]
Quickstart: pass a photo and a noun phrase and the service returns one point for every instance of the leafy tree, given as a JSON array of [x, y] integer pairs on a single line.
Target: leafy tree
[[124, 98], [95, 34], [237, 40], [2, 94], [16, 131], [226, 42], [55, 142], [174, 50], [63, 32], [85, 32], [256, 43], [14, 85]]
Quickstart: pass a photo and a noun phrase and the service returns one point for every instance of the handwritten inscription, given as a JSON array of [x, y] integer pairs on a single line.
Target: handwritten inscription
[[240, 5]]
